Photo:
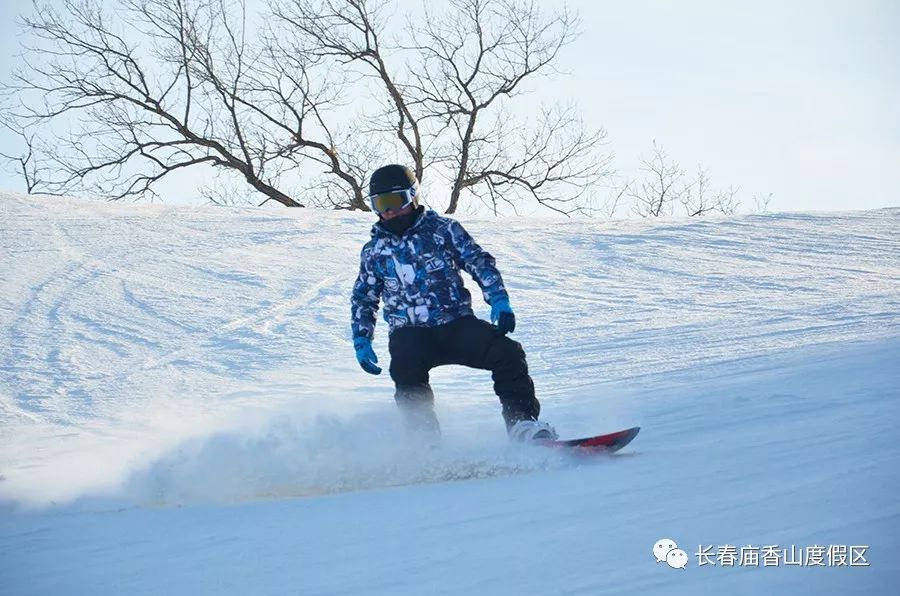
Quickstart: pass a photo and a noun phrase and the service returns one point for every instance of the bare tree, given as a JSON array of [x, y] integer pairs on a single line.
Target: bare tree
[[166, 85], [699, 198], [456, 69], [727, 202], [664, 185], [150, 88], [26, 163], [476, 58], [661, 187], [761, 202]]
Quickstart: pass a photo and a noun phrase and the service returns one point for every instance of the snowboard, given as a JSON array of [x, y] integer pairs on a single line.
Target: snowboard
[[609, 443]]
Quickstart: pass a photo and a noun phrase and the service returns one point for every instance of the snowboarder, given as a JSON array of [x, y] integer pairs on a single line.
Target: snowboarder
[[412, 264]]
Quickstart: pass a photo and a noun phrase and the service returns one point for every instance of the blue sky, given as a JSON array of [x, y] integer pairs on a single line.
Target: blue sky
[[800, 99], [797, 98]]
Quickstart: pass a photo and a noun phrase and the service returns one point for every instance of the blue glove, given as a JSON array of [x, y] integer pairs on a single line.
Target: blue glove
[[365, 355], [502, 316]]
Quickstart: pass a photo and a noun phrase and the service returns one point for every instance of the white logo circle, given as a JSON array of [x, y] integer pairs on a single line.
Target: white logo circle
[[677, 558], [662, 548]]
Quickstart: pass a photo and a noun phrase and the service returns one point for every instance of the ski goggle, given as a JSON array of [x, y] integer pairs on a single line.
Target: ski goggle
[[392, 201]]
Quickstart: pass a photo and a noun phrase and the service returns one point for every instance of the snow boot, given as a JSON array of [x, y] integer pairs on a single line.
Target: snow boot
[[524, 431]]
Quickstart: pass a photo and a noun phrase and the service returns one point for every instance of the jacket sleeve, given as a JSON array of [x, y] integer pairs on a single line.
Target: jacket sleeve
[[477, 262], [365, 296]]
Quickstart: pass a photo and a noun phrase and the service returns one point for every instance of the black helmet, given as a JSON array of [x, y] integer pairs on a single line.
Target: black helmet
[[393, 187], [390, 178]]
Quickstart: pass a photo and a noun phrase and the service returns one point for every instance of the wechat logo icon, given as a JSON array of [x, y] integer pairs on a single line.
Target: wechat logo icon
[[666, 551]]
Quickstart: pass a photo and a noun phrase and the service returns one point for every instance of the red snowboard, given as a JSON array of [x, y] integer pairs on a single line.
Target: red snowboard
[[599, 444]]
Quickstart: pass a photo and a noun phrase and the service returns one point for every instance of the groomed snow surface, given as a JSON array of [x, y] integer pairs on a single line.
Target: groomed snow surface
[[181, 411]]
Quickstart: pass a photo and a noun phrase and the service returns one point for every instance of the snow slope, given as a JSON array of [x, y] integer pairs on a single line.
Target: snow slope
[[181, 412]]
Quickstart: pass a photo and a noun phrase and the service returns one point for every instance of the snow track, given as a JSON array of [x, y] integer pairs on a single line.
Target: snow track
[[181, 412]]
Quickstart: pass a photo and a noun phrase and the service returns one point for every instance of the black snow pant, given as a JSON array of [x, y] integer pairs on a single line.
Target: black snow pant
[[467, 341]]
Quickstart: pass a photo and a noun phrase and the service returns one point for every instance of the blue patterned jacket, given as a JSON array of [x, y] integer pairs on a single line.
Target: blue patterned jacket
[[417, 276]]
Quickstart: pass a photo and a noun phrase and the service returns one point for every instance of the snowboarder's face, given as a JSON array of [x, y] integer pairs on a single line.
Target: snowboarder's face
[[392, 213]]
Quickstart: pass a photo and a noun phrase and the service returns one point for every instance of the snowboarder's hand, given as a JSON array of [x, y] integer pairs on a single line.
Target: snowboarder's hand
[[365, 355], [502, 316]]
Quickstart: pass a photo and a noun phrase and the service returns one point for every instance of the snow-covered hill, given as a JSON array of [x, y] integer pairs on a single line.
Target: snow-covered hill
[[181, 411]]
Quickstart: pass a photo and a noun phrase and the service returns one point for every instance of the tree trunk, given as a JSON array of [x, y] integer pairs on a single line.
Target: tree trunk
[[462, 173]]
